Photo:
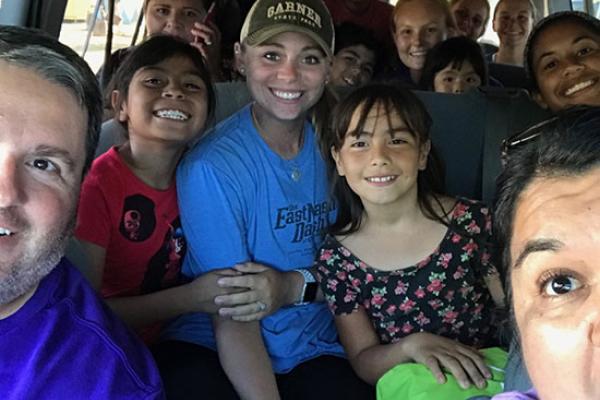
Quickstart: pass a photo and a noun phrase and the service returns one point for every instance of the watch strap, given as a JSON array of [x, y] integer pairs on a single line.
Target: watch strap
[[306, 296]]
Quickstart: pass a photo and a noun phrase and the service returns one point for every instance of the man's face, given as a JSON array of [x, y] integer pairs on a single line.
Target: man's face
[[555, 252], [42, 153]]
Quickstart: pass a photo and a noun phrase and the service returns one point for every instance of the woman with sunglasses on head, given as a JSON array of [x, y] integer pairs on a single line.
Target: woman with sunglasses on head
[[548, 225], [562, 59], [254, 196]]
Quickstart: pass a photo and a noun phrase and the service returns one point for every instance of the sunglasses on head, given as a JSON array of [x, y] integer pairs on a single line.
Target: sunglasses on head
[[532, 133]]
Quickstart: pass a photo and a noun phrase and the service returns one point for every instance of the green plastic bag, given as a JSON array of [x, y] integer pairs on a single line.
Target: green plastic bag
[[416, 382]]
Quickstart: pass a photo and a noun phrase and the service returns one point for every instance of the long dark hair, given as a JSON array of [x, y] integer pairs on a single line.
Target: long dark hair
[[393, 99]]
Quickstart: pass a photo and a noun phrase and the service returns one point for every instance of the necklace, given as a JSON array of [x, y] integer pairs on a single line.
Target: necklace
[[295, 173]]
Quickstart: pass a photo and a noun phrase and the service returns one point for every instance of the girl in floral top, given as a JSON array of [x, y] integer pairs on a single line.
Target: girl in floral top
[[406, 270]]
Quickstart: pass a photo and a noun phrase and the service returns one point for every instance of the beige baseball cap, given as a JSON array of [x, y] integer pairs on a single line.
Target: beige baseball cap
[[268, 18]]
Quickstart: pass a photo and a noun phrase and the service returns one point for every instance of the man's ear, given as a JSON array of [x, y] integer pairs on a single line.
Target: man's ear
[[119, 105], [537, 97], [338, 165], [238, 59]]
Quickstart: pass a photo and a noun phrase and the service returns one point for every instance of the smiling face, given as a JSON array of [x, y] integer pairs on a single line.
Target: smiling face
[[381, 161], [352, 66], [418, 26], [471, 16], [286, 75], [556, 284], [456, 79], [42, 152], [173, 17], [513, 22], [566, 64], [166, 102]]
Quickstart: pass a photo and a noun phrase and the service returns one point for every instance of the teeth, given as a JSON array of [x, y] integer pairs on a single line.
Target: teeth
[[418, 53], [578, 87], [350, 81], [287, 95], [5, 232], [176, 115], [381, 179]]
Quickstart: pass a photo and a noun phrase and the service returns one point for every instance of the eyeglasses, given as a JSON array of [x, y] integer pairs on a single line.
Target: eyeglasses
[[528, 135], [532, 133]]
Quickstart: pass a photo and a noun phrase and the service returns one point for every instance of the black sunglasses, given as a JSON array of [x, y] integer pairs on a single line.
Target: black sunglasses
[[533, 132], [525, 136]]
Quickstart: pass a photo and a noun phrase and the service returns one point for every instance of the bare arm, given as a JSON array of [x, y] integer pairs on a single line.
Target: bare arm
[[245, 360], [371, 360], [144, 310]]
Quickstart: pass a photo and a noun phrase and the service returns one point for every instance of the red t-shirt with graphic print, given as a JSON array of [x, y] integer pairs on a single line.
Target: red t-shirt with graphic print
[[137, 225]]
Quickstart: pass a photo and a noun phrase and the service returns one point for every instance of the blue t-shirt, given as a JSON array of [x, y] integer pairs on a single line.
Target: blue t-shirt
[[240, 201], [64, 343]]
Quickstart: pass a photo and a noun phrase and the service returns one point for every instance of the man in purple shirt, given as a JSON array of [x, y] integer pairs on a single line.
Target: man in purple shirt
[[57, 339]]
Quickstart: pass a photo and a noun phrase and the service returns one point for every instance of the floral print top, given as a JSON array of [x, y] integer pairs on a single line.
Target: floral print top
[[444, 294]]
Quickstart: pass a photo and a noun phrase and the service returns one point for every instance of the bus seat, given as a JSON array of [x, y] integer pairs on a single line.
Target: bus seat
[[510, 76], [457, 134], [112, 133], [468, 130], [78, 256], [231, 96], [507, 111], [516, 376]]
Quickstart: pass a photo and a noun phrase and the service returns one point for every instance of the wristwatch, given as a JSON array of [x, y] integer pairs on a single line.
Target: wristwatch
[[309, 290]]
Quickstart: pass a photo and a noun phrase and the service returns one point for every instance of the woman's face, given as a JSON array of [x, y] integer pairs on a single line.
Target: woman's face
[[566, 64], [513, 22], [173, 17], [418, 26], [285, 75], [470, 16], [456, 78], [555, 272]]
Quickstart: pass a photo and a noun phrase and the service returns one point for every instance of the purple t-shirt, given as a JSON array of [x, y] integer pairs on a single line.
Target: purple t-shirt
[[529, 395], [64, 343]]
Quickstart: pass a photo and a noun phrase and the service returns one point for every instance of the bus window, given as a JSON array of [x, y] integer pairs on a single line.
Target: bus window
[[591, 7], [80, 27]]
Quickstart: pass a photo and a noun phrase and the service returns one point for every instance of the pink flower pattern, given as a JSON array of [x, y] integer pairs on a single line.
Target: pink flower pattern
[[444, 294]]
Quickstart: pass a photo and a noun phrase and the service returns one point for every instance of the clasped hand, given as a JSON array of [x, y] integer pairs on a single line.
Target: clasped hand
[[250, 291]]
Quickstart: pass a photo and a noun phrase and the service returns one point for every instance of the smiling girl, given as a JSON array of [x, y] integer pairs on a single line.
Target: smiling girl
[[563, 60], [455, 65], [407, 271]]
